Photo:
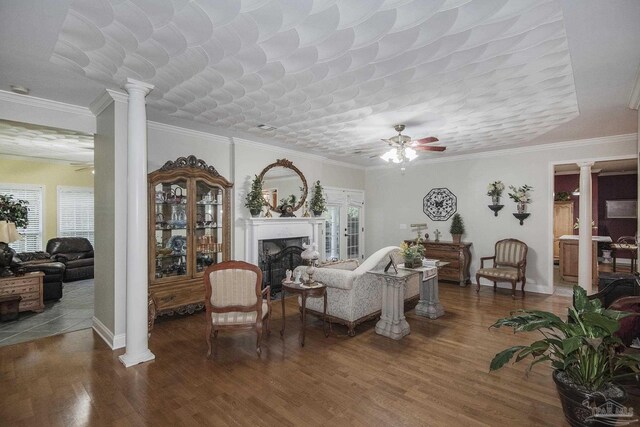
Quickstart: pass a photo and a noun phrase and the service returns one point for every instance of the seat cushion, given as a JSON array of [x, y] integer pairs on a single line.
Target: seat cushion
[[502, 273], [238, 317]]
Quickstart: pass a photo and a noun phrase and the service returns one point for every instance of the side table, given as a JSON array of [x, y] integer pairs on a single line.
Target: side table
[[305, 292], [392, 323], [429, 304]]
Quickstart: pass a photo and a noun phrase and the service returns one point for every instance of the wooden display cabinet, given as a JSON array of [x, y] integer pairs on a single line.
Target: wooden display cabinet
[[189, 229], [458, 255]]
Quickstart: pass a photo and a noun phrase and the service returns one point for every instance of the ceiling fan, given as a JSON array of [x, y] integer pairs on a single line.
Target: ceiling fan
[[82, 166], [401, 141], [403, 148]]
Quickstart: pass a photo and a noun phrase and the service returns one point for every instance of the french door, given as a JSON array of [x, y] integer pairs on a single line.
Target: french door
[[344, 224]]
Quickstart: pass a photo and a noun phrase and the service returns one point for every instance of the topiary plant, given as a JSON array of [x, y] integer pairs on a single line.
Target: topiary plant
[[318, 203], [254, 200], [457, 226]]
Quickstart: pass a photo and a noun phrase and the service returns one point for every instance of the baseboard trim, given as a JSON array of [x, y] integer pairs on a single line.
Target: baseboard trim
[[113, 341], [529, 287]]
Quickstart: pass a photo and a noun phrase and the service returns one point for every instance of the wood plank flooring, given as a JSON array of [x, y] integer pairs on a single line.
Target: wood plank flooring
[[436, 376]]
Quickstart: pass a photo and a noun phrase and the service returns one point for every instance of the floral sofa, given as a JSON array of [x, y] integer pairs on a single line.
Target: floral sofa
[[353, 296]]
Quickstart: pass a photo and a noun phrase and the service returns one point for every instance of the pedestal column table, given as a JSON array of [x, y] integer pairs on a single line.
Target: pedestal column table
[[137, 342]]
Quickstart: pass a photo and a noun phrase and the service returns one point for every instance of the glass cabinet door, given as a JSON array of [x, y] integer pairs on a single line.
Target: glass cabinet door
[[171, 229], [208, 225]]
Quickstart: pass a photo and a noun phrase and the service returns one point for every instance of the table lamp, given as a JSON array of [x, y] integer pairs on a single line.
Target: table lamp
[[311, 255], [8, 234]]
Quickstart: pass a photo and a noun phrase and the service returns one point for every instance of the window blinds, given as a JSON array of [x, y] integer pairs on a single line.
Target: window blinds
[[32, 235], [75, 212]]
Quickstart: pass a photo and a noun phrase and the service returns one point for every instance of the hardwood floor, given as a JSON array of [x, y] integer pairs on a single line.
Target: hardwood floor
[[436, 376]]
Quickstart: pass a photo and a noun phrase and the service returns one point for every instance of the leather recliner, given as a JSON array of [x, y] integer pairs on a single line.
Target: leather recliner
[[76, 253], [26, 262]]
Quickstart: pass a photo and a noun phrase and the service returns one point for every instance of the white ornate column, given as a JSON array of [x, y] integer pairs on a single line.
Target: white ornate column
[[137, 341], [585, 243]]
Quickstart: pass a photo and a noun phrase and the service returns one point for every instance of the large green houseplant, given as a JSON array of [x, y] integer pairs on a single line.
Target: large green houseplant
[[584, 353], [255, 200], [14, 210]]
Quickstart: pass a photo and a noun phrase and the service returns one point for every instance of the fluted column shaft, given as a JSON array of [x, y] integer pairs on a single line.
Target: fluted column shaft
[[585, 250]]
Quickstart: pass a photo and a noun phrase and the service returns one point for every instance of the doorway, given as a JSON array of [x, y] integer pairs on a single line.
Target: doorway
[[344, 224], [613, 181]]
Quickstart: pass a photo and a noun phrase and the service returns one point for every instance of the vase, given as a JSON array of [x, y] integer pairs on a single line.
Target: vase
[[522, 207], [255, 212], [495, 200]]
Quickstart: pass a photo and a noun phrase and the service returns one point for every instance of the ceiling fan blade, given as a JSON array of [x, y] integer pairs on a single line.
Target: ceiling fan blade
[[427, 140], [429, 148], [388, 141]]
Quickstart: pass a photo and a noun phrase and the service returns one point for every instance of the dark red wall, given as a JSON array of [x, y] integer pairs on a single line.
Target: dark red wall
[[569, 183], [617, 187]]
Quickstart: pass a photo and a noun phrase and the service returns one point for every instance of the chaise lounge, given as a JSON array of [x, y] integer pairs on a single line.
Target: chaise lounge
[[353, 296]]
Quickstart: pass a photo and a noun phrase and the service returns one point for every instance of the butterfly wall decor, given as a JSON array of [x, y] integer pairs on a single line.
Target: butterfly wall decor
[[439, 204]]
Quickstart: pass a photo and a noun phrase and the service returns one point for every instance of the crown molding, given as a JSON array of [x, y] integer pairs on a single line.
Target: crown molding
[[578, 143], [288, 151], [189, 132], [104, 100], [634, 99], [32, 101]]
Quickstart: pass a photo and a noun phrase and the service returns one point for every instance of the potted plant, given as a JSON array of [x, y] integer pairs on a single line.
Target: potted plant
[[457, 228], [583, 351], [521, 196], [412, 253], [318, 203], [495, 190], [254, 200]]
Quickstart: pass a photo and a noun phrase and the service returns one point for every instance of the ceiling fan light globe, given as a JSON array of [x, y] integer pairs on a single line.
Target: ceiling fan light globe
[[388, 155], [410, 153]]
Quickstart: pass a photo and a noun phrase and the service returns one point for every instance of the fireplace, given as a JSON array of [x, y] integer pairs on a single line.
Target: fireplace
[[276, 257]]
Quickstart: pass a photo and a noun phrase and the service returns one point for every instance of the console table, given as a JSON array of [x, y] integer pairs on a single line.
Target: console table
[[456, 255], [28, 286], [392, 323]]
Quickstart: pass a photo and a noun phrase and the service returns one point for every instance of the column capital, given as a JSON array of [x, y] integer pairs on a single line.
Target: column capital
[[585, 164], [133, 85]]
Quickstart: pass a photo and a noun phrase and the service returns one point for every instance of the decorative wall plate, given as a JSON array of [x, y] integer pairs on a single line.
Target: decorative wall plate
[[439, 204]]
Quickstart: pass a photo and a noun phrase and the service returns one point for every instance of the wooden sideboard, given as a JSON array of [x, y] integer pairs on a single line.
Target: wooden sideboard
[[28, 286], [458, 255]]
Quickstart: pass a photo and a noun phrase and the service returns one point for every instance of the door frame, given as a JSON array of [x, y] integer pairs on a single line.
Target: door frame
[[344, 194]]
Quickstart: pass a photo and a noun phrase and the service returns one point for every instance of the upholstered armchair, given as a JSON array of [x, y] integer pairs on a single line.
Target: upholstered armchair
[[509, 265], [76, 253], [353, 296], [234, 299]]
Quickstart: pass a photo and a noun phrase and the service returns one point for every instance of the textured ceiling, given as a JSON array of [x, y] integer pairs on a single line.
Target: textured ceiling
[[335, 76], [22, 139]]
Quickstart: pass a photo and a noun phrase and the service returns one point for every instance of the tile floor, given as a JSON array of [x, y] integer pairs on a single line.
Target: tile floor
[[73, 312]]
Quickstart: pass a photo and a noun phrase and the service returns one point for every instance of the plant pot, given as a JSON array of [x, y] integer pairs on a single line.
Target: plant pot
[[521, 207], [495, 200], [317, 213], [413, 262], [456, 238], [255, 212], [579, 405]]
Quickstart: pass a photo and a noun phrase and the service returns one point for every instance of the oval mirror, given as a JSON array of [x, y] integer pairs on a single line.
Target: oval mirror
[[282, 181]]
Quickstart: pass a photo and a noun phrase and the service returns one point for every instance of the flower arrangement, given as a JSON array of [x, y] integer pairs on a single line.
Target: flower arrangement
[[520, 194], [291, 200], [412, 253], [14, 210], [495, 189]]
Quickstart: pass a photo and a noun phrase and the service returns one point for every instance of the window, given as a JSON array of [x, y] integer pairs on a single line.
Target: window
[[32, 235], [75, 212]]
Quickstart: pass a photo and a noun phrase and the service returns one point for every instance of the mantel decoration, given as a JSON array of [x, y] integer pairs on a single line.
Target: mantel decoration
[[412, 254], [439, 204], [286, 206], [13, 215], [457, 228], [254, 200], [584, 353], [318, 202]]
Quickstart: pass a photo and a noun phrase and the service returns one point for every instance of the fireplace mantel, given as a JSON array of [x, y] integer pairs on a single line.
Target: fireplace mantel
[[257, 229]]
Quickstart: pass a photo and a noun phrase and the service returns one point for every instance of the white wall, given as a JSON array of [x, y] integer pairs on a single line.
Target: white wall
[[393, 199]]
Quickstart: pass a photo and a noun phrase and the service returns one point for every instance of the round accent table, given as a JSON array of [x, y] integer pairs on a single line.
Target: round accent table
[[315, 290]]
